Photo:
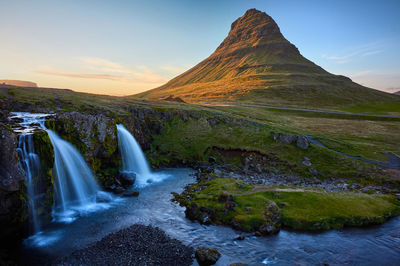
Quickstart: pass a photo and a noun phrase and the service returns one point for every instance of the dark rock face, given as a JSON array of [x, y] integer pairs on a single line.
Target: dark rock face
[[207, 256], [11, 179], [135, 245]]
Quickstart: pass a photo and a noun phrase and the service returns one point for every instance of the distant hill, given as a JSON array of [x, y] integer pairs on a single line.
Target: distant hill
[[256, 64], [397, 92], [20, 83]]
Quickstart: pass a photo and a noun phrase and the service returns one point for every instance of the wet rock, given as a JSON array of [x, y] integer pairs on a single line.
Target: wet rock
[[240, 237], [205, 219], [115, 189], [127, 179], [238, 264], [302, 142], [207, 256]]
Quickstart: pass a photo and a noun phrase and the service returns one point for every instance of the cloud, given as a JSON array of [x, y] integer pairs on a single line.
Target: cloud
[[372, 53], [104, 69], [355, 52], [101, 64], [360, 74], [79, 75]]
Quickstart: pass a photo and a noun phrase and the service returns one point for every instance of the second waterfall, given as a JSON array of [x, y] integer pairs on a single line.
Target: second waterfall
[[133, 159]]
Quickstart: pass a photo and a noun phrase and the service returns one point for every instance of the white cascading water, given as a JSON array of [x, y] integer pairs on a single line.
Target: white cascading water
[[30, 164], [29, 160], [75, 186], [133, 159]]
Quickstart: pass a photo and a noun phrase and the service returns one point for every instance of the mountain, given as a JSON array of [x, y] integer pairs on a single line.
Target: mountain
[[397, 92], [19, 83], [256, 64]]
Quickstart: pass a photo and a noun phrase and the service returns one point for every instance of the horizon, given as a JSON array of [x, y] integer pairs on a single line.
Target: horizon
[[132, 47]]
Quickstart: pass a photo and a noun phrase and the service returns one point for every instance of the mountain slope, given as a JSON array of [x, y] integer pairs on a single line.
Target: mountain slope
[[256, 64], [20, 83]]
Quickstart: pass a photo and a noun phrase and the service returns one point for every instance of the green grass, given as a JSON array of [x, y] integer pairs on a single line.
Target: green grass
[[300, 210], [364, 136], [194, 139], [375, 108]]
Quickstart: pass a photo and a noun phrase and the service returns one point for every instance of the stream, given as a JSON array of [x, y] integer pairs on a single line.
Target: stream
[[366, 246]]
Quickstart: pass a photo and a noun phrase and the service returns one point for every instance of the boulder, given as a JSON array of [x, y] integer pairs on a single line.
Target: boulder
[[207, 256], [272, 214], [127, 179], [302, 142], [240, 237], [287, 139]]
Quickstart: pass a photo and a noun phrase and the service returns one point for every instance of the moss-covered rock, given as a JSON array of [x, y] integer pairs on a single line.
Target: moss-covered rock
[[207, 256], [44, 180]]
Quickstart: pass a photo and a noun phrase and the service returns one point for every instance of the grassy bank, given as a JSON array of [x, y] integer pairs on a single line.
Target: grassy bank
[[194, 140], [301, 208]]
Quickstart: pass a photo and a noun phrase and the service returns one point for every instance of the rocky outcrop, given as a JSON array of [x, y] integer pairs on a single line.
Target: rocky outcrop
[[94, 134], [272, 213], [300, 141], [11, 182]]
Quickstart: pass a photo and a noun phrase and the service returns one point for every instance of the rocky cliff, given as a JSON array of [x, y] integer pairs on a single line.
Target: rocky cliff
[[11, 183]]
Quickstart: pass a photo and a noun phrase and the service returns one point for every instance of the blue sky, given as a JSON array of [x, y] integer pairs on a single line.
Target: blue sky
[[124, 47]]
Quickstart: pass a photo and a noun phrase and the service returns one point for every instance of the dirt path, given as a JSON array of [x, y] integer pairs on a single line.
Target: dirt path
[[301, 109], [260, 189]]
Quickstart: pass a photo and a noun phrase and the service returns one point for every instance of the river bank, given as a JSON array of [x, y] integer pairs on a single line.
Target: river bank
[[135, 245], [225, 198], [374, 244]]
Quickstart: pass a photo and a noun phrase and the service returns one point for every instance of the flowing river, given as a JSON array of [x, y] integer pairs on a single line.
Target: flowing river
[[376, 245]]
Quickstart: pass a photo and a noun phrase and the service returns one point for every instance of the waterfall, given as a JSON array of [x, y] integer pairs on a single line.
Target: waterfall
[[133, 159], [74, 183], [30, 164], [75, 188]]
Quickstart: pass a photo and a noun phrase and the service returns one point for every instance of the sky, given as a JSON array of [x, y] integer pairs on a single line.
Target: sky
[[126, 47]]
